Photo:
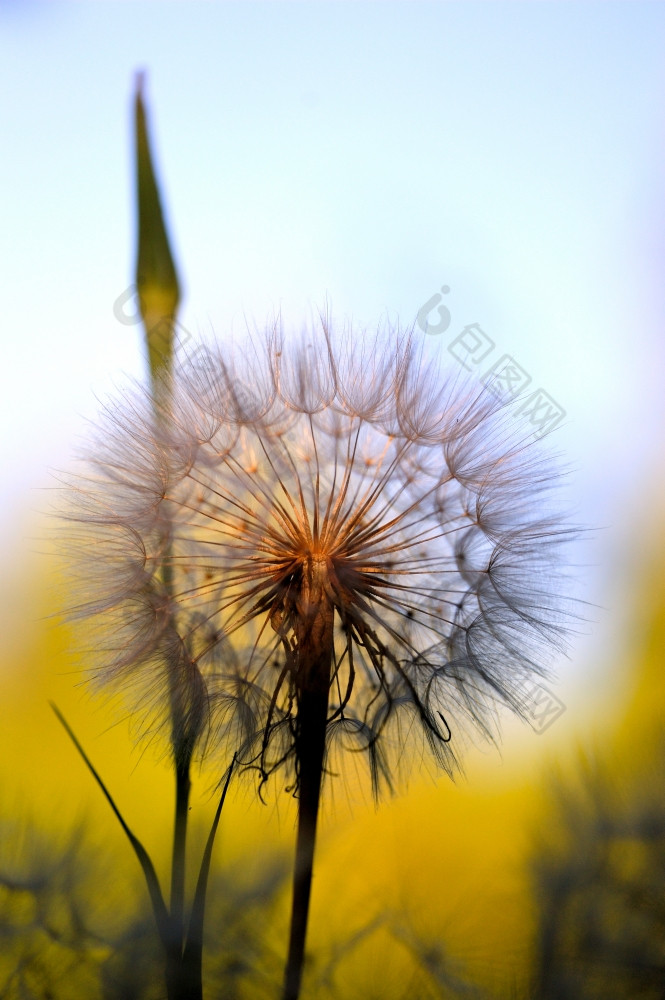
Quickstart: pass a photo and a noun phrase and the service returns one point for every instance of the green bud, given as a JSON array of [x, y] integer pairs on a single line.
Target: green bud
[[156, 278]]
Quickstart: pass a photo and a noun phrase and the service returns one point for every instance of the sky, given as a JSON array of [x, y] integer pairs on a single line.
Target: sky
[[353, 157]]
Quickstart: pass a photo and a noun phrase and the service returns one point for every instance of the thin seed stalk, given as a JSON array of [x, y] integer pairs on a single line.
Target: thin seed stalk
[[181, 983], [314, 659], [183, 786], [183, 979]]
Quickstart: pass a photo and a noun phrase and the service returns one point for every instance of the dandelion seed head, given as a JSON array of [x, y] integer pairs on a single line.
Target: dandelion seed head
[[335, 490]]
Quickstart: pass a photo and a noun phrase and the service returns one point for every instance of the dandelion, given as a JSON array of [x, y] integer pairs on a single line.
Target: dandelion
[[327, 547]]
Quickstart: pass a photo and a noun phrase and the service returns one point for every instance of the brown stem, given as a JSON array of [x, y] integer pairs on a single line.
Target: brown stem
[[181, 985], [313, 663], [312, 714], [183, 786]]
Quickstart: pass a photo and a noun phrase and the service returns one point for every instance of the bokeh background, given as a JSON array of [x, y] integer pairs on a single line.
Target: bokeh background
[[351, 157]]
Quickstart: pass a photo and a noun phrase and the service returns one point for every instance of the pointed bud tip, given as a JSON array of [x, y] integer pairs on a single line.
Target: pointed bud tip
[[139, 83]]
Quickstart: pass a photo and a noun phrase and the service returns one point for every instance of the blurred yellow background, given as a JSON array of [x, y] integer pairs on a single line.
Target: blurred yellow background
[[357, 156]]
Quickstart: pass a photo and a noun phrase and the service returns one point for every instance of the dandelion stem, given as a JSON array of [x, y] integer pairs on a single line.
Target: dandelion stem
[[174, 962], [314, 659], [311, 745], [183, 787]]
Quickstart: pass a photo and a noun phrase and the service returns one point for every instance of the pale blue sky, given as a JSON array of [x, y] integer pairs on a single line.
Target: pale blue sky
[[350, 155]]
